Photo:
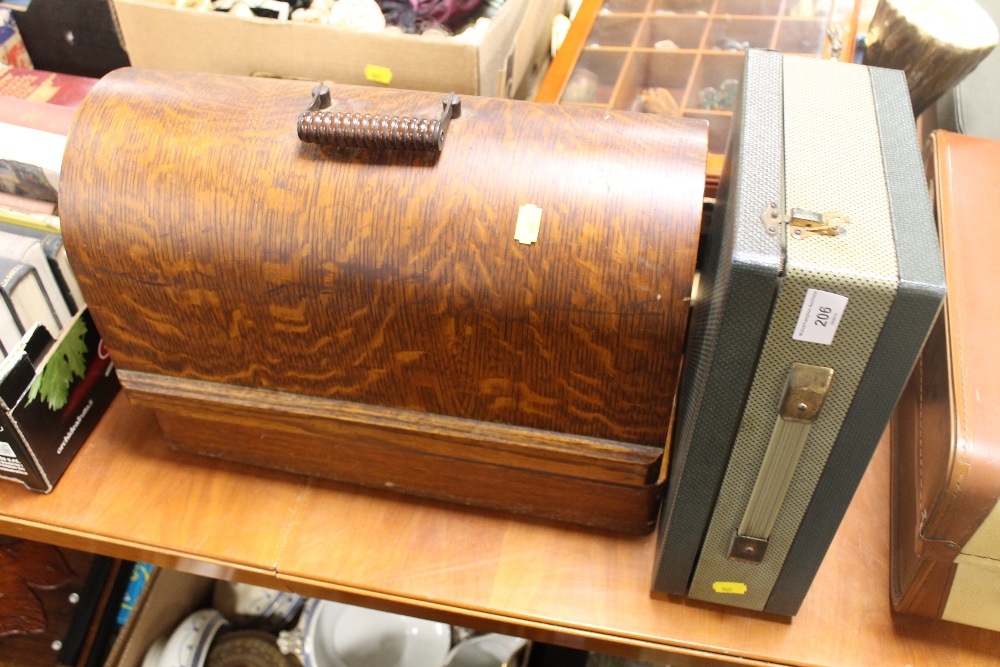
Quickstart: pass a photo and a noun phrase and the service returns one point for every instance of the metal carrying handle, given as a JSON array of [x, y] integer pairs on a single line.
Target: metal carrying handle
[[805, 392], [361, 130]]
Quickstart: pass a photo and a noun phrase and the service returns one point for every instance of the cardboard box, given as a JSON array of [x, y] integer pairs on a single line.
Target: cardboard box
[[157, 35], [51, 397], [168, 599]]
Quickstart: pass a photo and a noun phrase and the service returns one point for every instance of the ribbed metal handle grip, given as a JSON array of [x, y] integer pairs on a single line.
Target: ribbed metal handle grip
[[355, 130], [373, 131]]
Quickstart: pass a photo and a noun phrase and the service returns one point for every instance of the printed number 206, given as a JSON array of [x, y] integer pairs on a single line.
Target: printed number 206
[[823, 316]]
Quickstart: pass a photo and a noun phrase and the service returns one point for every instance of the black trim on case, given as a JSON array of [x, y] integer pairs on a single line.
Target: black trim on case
[[729, 322]]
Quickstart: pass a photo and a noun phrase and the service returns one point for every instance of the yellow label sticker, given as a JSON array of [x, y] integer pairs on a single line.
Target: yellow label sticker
[[732, 587], [529, 219], [378, 74]]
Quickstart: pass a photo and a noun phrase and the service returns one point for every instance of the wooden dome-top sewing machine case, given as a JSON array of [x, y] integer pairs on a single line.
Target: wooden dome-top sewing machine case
[[480, 300]]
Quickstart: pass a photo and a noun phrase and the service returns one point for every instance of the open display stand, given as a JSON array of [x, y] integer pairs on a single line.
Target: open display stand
[[613, 42]]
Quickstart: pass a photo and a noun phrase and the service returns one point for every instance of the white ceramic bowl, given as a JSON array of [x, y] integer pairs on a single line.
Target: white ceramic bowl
[[189, 643], [490, 650], [154, 653], [339, 635], [248, 605]]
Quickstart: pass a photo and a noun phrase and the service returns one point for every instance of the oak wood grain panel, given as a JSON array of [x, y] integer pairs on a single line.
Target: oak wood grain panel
[[507, 489], [126, 491], [371, 459], [228, 251], [539, 473], [324, 430], [434, 560]]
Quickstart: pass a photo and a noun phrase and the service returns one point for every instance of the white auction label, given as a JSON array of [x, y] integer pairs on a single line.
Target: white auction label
[[529, 219], [6, 450], [820, 316]]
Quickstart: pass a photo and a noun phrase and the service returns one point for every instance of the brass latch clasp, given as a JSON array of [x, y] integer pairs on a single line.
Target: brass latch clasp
[[802, 223]]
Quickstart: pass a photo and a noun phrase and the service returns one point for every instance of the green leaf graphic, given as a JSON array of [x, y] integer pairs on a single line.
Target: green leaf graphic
[[68, 362]]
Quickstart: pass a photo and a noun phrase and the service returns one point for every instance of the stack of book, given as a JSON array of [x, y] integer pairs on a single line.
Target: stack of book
[[36, 110], [56, 378]]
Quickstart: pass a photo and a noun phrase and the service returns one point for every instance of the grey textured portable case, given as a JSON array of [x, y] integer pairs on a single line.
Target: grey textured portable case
[[744, 273]]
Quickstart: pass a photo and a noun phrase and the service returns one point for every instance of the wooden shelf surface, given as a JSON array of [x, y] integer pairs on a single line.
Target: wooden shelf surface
[[128, 495]]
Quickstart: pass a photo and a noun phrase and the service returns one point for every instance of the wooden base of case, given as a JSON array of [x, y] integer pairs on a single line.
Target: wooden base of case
[[599, 483]]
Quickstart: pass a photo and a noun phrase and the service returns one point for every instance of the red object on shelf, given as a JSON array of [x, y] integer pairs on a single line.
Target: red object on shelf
[[53, 118], [41, 86]]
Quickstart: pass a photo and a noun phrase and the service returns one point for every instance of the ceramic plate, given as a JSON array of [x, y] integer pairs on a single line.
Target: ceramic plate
[[189, 643], [245, 604], [339, 635], [154, 652], [490, 650]]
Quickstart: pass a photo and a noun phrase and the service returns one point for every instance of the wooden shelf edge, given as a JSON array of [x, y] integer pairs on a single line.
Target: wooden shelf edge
[[543, 595], [137, 551], [535, 629]]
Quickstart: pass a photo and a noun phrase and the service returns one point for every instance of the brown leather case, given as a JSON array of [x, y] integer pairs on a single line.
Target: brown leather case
[[367, 314], [946, 429]]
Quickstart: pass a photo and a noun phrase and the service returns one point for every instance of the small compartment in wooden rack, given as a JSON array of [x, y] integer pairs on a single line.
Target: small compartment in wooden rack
[[610, 30], [594, 78], [671, 33], [749, 7], [802, 36], [681, 6], [842, 13], [624, 6], [807, 9], [715, 86], [718, 128], [652, 70], [729, 34]]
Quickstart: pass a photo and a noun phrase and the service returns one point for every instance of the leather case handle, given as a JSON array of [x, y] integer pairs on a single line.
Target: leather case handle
[[361, 130]]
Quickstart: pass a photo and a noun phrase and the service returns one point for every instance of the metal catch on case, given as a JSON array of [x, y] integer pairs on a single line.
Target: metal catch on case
[[361, 130], [803, 223]]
